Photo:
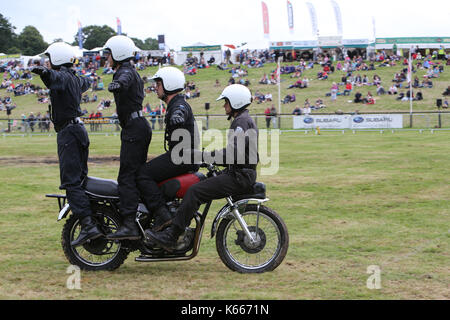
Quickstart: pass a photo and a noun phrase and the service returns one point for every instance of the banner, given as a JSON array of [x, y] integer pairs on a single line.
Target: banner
[[290, 16], [374, 29], [363, 121], [265, 12], [313, 15], [80, 35], [337, 13], [119, 27]]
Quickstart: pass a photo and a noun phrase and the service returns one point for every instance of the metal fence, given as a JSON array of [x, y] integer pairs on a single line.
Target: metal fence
[[415, 120]]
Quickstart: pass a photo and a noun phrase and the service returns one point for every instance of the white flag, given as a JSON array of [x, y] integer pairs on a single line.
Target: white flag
[[313, 15], [337, 13]]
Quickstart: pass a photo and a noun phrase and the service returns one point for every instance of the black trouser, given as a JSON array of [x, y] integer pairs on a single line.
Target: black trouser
[[224, 185], [73, 152], [135, 140], [155, 171]]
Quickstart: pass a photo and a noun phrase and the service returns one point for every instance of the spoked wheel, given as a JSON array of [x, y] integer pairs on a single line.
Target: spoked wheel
[[97, 254], [264, 254]]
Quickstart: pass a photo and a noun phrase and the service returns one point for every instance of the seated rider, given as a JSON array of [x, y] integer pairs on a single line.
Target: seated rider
[[179, 118], [239, 158]]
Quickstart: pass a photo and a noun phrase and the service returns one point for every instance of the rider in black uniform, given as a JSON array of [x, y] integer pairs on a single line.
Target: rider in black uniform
[[170, 82], [66, 89], [128, 89], [240, 157]]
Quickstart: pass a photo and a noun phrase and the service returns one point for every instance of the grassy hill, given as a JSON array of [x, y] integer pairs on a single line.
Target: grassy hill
[[205, 81]]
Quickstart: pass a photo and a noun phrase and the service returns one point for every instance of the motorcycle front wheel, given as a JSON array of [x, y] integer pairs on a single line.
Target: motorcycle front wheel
[[97, 254], [239, 254]]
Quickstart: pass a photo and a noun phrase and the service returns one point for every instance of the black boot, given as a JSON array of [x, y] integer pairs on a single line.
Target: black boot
[[162, 219], [89, 231], [127, 231], [166, 238]]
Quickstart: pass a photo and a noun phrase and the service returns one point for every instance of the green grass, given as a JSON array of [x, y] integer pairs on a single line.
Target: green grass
[[349, 201]]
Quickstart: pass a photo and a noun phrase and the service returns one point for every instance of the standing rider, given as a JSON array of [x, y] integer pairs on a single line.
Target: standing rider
[[128, 89], [66, 89]]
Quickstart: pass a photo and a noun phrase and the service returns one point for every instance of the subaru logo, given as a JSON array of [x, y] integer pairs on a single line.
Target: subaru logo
[[358, 119], [308, 120]]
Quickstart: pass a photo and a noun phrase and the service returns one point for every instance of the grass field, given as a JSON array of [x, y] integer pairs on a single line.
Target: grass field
[[350, 201]]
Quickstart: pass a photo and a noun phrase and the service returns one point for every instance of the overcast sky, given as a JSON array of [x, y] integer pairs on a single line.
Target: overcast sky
[[230, 21]]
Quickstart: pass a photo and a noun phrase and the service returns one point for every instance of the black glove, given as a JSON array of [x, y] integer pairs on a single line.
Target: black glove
[[42, 71], [114, 86], [177, 118]]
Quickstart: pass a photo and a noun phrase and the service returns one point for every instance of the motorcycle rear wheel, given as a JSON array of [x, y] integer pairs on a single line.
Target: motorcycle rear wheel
[[239, 254], [98, 254]]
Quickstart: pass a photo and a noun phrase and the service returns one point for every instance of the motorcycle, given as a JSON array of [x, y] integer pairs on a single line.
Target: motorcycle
[[250, 237]]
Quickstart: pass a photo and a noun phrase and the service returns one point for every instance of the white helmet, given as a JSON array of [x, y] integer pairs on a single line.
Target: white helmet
[[172, 78], [121, 48], [60, 53], [238, 95]]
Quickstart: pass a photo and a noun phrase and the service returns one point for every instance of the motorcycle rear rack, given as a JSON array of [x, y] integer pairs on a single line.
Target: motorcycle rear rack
[[61, 199]]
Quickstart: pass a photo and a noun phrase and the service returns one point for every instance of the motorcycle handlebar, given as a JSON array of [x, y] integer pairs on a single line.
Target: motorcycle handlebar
[[210, 167]]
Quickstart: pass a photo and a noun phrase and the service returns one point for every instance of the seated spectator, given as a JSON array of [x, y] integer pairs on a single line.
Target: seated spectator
[[427, 83], [288, 99], [446, 92], [297, 84], [419, 96], [322, 75], [380, 90], [445, 104], [264, 79], [98, 85], [196, 93], [85, 98], [306, 107], [369, 99], [222, 66], [358, 97], [393, 89], [297, 111], [319, 104], [187, 93], [365, 81], [348, 88], [376, 80]]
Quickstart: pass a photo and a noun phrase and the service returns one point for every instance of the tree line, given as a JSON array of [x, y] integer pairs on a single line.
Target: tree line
[[30, 41]]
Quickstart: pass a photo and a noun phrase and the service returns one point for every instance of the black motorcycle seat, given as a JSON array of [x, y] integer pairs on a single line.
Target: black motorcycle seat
[[101, 187], [259, 192]]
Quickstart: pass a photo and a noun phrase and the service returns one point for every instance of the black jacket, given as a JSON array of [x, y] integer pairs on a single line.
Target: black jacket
[[180, 107], [129, 98], [242, 147], [66, 89]]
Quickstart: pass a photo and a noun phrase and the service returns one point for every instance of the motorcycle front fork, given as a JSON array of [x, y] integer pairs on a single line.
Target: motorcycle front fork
[[241, 221]]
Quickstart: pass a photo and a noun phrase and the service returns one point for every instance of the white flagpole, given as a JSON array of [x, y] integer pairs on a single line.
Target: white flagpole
[[279, 85], [410, 88]]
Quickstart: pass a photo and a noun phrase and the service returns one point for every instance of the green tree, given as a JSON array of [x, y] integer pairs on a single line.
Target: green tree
[[95, 36], [151, 44], [31, 42], [7, 35], [147, 44]]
